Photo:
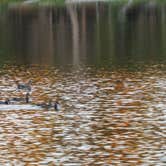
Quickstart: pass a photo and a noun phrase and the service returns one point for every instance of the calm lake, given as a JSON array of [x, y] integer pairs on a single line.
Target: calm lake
[[104, 62]]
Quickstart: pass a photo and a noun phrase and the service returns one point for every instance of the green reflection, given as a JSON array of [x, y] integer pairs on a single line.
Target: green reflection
[[98, 34]]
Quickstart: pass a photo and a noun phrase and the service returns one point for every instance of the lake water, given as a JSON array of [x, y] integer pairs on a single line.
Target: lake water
[[104, 63]]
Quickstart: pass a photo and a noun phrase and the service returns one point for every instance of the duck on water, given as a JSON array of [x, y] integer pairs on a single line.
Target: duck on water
[[24, 102], [24, 86], [15, 103], [7, 101], [50, 105], [21, 99]]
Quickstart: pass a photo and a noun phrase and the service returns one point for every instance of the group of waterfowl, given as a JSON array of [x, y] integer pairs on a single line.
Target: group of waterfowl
[[26, 99]]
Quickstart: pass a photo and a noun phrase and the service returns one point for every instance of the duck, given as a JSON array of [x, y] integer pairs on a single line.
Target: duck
[[50, 105], [20, 99], [26, 86], [56, 105], [7, 101]]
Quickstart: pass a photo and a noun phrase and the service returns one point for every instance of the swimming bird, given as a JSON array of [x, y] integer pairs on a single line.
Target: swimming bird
[[7, 101], [21, 99], [56, 106], [49, 105], [26, 86]]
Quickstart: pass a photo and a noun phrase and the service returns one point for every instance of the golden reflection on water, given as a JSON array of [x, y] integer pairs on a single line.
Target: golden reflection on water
[[106, 117]]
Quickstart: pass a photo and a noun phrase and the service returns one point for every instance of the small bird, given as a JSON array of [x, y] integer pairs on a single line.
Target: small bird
[[56, 106], [49, 105], [21, 99], [26, 86], [7, 101], [27, 97]]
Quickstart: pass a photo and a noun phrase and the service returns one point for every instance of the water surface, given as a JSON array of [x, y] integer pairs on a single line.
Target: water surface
[[104, 65], [106, 118]]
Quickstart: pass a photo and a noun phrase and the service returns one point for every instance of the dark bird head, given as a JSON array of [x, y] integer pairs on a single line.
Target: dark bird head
[[27, 97], [56, 106], [7, 101]]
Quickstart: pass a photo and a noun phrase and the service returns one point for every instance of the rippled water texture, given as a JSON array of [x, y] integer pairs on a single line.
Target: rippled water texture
[[106, 117]]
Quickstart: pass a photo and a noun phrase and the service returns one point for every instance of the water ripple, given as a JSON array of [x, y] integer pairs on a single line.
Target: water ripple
[[117, 118]]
